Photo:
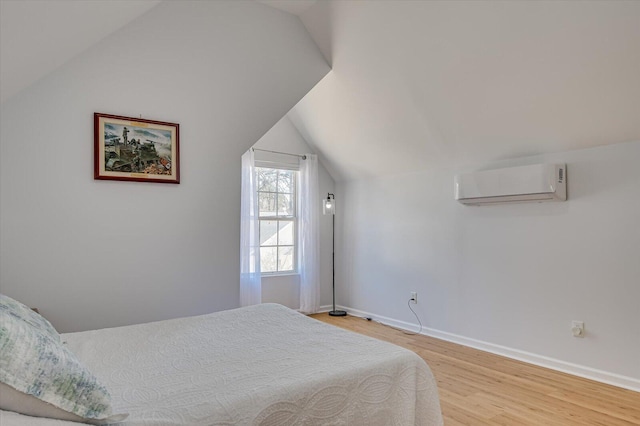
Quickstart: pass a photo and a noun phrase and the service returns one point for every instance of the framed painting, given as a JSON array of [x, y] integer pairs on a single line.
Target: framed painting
[[127, 148]]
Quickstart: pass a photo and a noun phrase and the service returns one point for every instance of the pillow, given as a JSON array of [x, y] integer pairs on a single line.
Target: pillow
[[9, 306], [43, 378], [14, 400]]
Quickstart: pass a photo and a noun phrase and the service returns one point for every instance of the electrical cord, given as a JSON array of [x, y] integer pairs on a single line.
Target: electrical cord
[[414, 313], [399, 329]]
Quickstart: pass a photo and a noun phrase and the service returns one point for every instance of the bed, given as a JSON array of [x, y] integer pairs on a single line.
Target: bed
[[258, 365]]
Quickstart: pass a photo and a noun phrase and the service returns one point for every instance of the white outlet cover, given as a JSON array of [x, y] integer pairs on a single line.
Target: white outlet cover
[[577, 328]]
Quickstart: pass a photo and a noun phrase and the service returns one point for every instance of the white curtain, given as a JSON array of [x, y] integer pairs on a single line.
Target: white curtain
[[309, 235], [250, 280]]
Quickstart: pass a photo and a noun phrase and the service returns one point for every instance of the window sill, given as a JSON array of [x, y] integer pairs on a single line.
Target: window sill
[[279, 274]]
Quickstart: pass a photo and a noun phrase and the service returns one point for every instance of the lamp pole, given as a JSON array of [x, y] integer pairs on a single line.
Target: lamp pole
[[334, 312]]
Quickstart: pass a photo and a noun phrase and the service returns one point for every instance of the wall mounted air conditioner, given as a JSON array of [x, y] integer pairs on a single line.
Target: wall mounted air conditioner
[[538, 182]]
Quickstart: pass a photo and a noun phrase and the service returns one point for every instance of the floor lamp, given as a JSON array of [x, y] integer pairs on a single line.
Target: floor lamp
[[329, 207]]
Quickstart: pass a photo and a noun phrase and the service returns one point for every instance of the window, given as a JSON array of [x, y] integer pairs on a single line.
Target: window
[[277, 210]]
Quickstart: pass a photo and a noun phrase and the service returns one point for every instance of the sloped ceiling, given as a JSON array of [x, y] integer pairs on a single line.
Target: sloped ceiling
[[295, 7], [38, 36], [416, 84]]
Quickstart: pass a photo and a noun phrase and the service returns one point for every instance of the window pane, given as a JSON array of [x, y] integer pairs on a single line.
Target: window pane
[[268, 231], [285, 205], [268, 259], [277, 202], [267, 203], [267, 179], [285, 258], [285, 181], [286, 233]]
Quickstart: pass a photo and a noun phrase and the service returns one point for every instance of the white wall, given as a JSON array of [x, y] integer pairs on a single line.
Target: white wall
[[510, 275], [94, 254], [285, 289]]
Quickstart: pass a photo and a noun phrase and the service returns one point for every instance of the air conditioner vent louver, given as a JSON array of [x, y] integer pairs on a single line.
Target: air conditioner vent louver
[[535, 183]]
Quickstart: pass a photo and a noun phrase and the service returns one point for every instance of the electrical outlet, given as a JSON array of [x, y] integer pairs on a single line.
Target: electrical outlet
[[577, 328], [414, 297]]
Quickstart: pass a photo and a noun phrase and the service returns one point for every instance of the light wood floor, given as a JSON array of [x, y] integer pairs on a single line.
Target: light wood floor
[[479, 388]]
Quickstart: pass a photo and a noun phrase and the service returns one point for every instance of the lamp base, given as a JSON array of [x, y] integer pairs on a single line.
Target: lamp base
[[338, 313]]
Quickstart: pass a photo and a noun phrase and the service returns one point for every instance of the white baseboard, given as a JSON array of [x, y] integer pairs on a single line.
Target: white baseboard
[[325, 308], [531, 358]]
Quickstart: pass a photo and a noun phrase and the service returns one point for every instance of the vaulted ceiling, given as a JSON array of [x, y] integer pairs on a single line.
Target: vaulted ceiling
[[415, 84], [37, 37]]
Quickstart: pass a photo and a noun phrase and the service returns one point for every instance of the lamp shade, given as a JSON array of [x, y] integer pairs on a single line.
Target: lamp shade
[[329, 205]]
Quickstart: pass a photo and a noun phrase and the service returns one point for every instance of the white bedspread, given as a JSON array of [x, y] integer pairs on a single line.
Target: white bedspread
[[261, 365]]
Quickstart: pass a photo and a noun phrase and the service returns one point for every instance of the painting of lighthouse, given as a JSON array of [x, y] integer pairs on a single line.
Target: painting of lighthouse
[[141, 150]]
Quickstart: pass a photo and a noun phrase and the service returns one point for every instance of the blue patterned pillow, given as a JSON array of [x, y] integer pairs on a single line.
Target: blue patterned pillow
[[9, 306], [38, 365]]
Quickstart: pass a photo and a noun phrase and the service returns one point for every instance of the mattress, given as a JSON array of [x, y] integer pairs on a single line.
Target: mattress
[[260, 365]]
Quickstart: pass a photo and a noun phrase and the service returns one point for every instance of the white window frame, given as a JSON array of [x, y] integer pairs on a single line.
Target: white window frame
[[278, 218]]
